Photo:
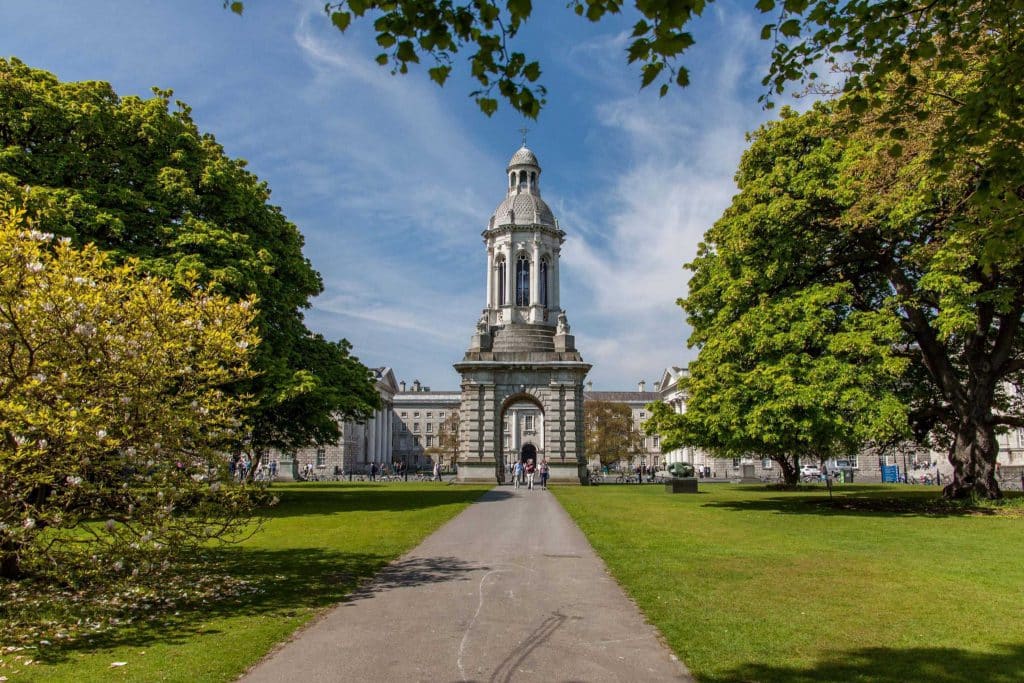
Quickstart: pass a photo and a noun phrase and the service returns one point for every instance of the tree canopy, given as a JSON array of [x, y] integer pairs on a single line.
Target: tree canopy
[[845, 271], [141, 181], [609, 432], [113, 414], [867, 41]]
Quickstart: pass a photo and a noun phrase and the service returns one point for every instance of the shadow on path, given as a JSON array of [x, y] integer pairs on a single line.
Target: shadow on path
[[415, 571]]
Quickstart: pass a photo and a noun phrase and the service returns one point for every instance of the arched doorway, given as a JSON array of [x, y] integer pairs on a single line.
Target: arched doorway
[[521, 434]]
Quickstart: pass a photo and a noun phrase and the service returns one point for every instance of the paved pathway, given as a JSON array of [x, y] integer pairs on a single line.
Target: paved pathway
[[509, 590]]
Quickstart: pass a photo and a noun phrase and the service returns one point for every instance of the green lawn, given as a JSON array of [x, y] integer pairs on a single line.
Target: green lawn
[[315, 547], [750, 584]]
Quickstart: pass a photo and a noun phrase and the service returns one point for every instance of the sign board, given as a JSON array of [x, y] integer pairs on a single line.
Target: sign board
[[890, 473]]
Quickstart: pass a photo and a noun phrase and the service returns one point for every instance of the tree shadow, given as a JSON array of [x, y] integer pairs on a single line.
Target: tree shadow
[[864, 501], [892, 665], [414, 571], [327, 498], [283, 583], [280, 583]]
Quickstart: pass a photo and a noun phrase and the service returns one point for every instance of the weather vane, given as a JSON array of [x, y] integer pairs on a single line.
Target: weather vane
[[524, 130]]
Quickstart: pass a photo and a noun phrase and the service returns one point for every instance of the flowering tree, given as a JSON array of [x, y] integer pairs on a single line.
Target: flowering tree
[[113, 419]]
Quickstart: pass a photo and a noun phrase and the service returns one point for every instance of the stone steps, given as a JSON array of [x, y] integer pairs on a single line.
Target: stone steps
[[520, 338]]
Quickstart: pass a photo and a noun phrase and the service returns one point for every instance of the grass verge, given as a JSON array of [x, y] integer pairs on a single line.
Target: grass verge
[[316, 546], [750, 584]]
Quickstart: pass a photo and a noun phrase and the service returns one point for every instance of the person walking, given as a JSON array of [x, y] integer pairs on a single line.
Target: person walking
[[373, 472], [531, 470], [517, 473], [545, 470]]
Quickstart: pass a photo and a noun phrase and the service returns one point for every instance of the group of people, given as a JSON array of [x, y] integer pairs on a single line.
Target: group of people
[[240, 466], [526, 472]]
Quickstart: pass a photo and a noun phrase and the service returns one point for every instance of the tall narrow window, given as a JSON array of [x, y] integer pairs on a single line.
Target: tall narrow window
[[522, 282], [522, 180], [501, 282], [544, 283]]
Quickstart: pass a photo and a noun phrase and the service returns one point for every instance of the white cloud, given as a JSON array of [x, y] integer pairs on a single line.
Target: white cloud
[[682, 153]]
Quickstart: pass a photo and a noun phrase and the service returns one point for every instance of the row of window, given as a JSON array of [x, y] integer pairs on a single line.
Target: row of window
[[429, 415]]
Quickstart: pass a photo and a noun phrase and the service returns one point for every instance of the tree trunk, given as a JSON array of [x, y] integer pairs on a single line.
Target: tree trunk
[[973, 456], [10, 567], [790, 472]]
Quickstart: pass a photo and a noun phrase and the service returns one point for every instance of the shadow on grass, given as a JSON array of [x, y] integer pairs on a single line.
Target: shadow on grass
[[328, 498], [282, 583], [870, 501], [890, 665]]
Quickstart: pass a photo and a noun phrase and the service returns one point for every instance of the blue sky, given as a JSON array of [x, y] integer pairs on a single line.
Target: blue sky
[[391, 179]]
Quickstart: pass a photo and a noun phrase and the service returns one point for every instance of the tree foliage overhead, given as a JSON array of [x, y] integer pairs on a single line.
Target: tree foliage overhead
[[868, 41], [113, 414], [609, 432], [140, 180]]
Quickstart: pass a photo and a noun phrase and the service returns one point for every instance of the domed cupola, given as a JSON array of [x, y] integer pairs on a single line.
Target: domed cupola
[[523, 204]]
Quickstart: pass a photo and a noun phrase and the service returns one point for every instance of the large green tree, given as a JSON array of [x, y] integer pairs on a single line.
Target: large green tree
[[609, 433], [914, 261], [137, 178], [113, 417]]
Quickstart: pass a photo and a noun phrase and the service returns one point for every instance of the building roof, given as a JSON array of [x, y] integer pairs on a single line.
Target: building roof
[[523, 157], [622, 396], [523, 208]]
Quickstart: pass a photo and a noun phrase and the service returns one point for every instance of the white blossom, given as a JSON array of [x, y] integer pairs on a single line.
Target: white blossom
[[29, 523], [34, 266], [74, 481]]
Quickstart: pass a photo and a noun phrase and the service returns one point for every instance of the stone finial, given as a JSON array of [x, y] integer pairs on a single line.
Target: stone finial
[[481, 324]]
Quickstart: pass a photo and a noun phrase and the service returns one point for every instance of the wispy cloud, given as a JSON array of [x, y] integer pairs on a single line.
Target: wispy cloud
[[683, 151]]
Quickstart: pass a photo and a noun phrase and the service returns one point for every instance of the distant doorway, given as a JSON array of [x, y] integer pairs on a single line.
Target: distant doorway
[[529, 452]]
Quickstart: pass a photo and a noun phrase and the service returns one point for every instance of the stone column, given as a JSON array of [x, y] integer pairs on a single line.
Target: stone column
[[510, 277], [540, 431], [388, 433], [554, 300], [490, 278], [368, 441], [514, 429], [535, 274]]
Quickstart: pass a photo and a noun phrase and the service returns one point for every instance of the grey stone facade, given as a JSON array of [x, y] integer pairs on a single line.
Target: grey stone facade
[[522, 356]]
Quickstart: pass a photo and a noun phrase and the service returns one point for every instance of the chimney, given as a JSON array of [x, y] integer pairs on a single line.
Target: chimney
[[415, 385], [641, 386], [401, 385]]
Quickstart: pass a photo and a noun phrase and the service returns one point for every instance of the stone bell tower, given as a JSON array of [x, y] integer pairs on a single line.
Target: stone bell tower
[[522, 360]]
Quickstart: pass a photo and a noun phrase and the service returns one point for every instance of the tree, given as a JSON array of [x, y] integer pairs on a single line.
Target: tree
[[141, 181], [610, 434], [113, 414], [448, 439], [913, 261], [792, 376]]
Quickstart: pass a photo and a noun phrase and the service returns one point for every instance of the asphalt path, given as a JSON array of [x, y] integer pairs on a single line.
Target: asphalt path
[[509, 590]]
